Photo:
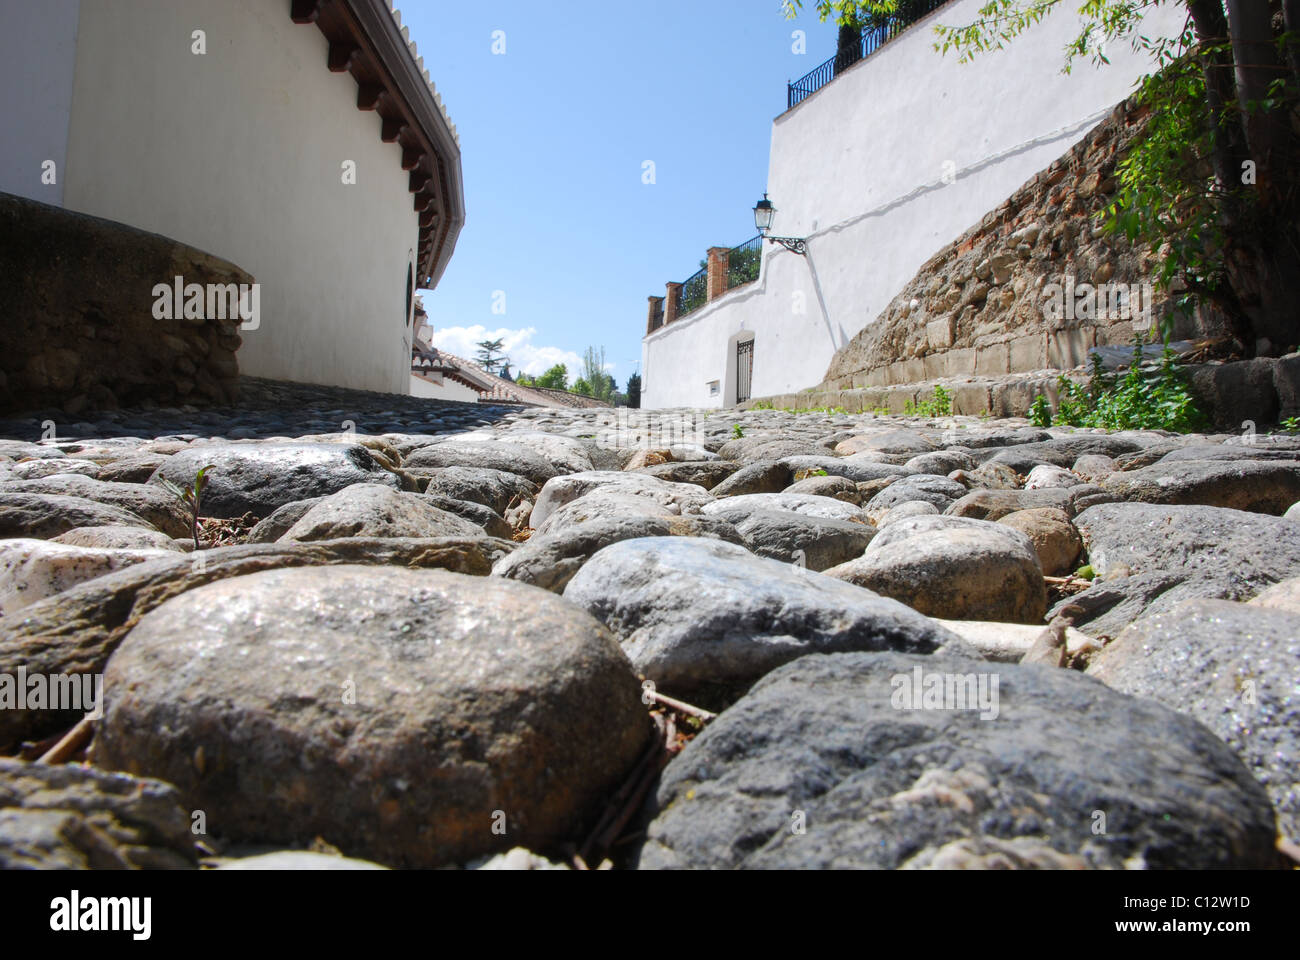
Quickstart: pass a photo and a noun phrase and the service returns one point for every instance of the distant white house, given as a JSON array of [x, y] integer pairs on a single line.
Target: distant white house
[[440, 375], [877, 165], [437, 375], [299, 139]]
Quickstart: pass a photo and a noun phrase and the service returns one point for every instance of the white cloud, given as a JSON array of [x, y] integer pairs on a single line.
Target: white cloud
[[518, 346]]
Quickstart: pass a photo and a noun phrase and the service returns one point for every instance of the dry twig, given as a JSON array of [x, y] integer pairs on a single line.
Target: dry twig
[[680, 706], [72, 742], [630, 797]]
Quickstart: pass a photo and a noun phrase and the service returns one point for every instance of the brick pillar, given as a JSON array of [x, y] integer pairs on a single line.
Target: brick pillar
[[670, 302], [717, 271], [656, 304]]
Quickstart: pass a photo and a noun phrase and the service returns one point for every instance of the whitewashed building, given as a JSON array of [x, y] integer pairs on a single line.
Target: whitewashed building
[[877, 166], [299, 139]]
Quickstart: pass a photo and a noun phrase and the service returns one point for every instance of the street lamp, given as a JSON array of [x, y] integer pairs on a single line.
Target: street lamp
[[764, 213]]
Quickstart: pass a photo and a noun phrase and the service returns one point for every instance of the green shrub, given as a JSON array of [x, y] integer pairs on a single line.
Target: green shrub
[[826, 410], [1146, 397], [1073, 403], [1040, 412], [743, 266], [939, 405]]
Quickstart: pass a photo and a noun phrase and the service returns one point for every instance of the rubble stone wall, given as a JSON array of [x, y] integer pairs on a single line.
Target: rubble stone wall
[[79, 328], [993, 302]]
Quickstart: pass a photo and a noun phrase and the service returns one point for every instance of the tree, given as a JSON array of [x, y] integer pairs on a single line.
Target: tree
[[600, 384], [849, 13], [1214, 182], [556, 378], [634, 391], [848, 45], [582, 387], [489, 355]]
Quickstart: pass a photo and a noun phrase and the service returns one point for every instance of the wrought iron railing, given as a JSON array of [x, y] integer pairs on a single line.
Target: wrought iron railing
[[886, 28], [743, 262], [694, 293]]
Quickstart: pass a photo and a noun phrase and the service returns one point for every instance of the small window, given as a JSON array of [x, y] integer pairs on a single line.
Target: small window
[[410, 292], [715, 387]]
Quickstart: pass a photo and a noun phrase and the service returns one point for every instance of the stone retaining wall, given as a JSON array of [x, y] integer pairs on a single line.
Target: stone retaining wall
[[977, 308], [1262, 392], [79, 332]]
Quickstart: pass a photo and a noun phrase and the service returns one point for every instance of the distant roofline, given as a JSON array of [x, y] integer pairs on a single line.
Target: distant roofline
[[532, 396]]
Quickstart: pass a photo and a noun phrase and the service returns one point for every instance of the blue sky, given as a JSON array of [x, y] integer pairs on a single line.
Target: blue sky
[[554, 134]]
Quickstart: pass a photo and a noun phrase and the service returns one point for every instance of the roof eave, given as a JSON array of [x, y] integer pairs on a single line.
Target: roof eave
[[381, 26]]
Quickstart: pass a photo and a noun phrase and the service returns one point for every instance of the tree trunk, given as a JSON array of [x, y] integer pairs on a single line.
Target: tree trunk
[[1257, 67], [1211, 26], [1264, 271], [1228, 154], [1261, 221], [1291, 18]]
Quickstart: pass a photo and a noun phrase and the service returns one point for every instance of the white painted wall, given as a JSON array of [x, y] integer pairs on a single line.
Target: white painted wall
[[38, 44], [858, 168], [448, 390], [239, 152]]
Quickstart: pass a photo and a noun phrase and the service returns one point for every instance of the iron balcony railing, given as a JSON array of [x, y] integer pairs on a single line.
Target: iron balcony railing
[[743, 262], [694, 293], [884, 29]]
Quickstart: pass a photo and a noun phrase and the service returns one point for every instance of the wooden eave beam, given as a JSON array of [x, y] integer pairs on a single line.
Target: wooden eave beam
[[304, 11], [392, 129], [341, 54], [378, 90]]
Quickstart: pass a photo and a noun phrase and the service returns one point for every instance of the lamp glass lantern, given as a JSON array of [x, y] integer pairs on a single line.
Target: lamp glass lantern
[[764, 213]]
